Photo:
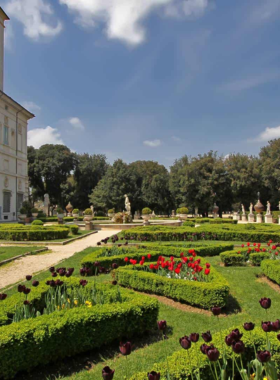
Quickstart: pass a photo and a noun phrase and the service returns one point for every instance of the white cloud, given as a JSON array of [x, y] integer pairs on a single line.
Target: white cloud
[[268, 134], [176, 139], [152, 143], [76, 123], [31, 106], [123, 18], [264, 12], [40, 136], [36, 17], [251, 81]]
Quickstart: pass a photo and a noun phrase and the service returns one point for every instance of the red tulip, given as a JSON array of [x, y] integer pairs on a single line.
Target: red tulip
[[125, 348]]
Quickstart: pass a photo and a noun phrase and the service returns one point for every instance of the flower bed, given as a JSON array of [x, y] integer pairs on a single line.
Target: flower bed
[[225, 233], [70, 330], [108, 256], [211, 290], [271, 268], [32, 233]]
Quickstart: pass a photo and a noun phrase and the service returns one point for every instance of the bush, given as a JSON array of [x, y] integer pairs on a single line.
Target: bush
[[32, 233], [44, 339], [271, 268], [99, 213], [183, 363], [189, 224], [59, 210], [37, 223], [257, 257], [23, 210], [111, 211], [76, 211], [201, 294], [34, 210], [146, 211], [182, 210], [234, 257], [74, 229], [88, 211]]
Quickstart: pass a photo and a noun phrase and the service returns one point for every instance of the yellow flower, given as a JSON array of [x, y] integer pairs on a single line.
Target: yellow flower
[[89, 304], [76, 302], [252, 376]]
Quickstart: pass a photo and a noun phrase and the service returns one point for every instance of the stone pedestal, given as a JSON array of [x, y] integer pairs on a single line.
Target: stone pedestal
[[244, 218], [268, 218], [236, 216], [259, 218], [89, 226], [146, 222], [60, 221], [251, 218], [215, 216], [279, 219]]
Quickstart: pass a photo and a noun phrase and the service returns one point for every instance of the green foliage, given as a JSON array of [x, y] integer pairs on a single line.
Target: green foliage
[[37, 223], [88, 211], [189, 223], [257, 257], [183, 363], [32, 233], [59, 210], [75, 211], [146, 211], [235, 257], [74, 229], [111, 211], [202, 294], [34, 210], [23, 210], [271, 268], [182, 210], [71, 331]]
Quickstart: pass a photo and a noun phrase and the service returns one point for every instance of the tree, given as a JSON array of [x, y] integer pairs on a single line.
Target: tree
[[90, 169], [270, 170], [118, 181], [35, 179]]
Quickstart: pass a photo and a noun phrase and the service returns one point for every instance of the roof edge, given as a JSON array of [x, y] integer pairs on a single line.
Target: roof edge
[[30, 114], [5, 14]]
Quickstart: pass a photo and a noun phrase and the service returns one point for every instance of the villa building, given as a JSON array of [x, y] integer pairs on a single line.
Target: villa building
[[13, 145]]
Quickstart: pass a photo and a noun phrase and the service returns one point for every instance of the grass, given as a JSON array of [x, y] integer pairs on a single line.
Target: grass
[[246, 291], [10, 252]]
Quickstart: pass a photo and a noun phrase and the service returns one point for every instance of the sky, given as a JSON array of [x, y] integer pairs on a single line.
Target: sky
[[146, 79]]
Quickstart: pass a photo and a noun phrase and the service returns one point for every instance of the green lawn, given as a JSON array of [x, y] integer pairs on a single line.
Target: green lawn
[[10, 252], [246, 291]]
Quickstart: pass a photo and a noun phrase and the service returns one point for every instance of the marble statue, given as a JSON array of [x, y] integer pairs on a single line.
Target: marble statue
[[243, 210], [251, 208], [127, 204], [46, 200], [268, 208]]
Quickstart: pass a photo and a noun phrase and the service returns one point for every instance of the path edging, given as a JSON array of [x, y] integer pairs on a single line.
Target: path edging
[[24, 254]]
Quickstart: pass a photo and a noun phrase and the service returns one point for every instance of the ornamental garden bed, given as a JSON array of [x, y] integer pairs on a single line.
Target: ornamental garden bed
[[114, 255], [64, 317], [18, 232], [271, 268], [187, 280]]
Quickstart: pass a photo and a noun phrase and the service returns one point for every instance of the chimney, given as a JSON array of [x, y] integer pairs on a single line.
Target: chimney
[[3, 18]]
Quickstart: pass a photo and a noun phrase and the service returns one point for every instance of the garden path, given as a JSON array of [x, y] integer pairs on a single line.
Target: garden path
[[17, 270]]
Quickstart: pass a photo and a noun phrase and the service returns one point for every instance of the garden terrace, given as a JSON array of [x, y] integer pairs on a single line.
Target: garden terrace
[[116, 255], [211, 290], [68, 331], [18, 232]]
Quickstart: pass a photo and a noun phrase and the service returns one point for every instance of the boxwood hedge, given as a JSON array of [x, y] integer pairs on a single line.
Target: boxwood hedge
[[44, 339], [202, 294], [183, 363], [104, 257], [239, 257], [32, 233], [271, 268]]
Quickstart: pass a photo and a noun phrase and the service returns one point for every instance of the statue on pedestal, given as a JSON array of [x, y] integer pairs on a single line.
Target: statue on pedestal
[[251, 208], [243, 210], [268, 208], [127, 205]]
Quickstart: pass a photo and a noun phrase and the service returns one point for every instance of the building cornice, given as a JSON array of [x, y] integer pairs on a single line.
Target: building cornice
[[16, 105], [6, 17]]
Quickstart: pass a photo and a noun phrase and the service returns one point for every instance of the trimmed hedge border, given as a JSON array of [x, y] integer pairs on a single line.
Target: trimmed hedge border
[[69, 218], [183, 363], [237, 257], [47, 338], [271, 268], [202, 294], [33, 233], [154, 250]]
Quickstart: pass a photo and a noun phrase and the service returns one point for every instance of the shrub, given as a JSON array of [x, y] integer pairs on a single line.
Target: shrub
[[99, 213], [257, 257], [59, 210], [44, 339], [74, 229], [189, 224], [88, 211], [34, 210], [23, 210], [76, 211], [202, 294], [182, 210], [234, 257], [271, 268], [111, 211], [146, 211], [183, 363], [37, 223], [32, 233]]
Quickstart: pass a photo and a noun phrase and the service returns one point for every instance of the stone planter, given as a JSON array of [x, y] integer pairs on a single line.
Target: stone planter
[[88, 218], [259, 207], [34, 214], [75, 216], [146, 218], [22, 217], [28, 219], [183, 216]]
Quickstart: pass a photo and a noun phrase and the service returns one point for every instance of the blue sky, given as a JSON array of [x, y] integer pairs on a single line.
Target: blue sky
[[146, 79]]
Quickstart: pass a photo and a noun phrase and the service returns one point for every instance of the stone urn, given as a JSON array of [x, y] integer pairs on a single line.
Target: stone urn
[[22, 216], [34, 214], [88, 218], [215, 210], [259, 207], [146, 218], [69, 209]]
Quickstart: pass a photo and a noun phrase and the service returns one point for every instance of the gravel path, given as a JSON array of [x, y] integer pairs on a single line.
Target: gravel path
[[17, 271]]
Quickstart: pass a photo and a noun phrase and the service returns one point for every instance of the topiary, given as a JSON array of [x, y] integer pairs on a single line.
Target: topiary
[[34, 210], [23, 210], [37, 223], [75, 211], [88, 211], [111, 211], [146, 211], [182, 210], [59, 210]]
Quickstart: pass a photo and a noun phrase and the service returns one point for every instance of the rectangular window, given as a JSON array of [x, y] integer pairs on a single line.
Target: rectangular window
[[20, 169], [6, 135], [20, 142], [19, 201], [6, 201], [6, 165]]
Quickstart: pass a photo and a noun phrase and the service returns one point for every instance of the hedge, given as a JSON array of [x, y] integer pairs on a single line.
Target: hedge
[[240, 257], [201, 294], [69, 218], [154, 250], [271, 268], [183, 363], [225, 233], [47, 338], [257, 257], [214, 221], [33, 233]]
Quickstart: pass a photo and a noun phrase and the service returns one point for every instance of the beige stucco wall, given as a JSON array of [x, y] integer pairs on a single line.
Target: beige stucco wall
[[1, 52]]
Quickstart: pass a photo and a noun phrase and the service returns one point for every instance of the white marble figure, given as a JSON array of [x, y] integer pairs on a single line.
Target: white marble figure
[[268, 208], [243, 210], [251, 208], [127, 205], [46, 200]]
